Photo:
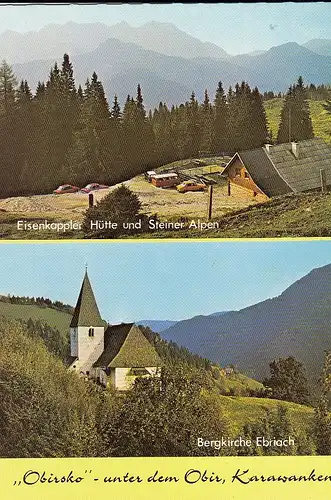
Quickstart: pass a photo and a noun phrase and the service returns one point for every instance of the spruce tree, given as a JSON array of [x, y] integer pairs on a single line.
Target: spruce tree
[[295, 122], [117, 139], [8, 84], [221, 122], [40, 91], [259, 127], [9, 144], [140, 102], [67, 81], [207, 121], [116, 110], [25, 133], [139, 141], [165, 140], [90, 156], [240, 115], [80, 94], [53, 133], [247, 119], [193, 126]]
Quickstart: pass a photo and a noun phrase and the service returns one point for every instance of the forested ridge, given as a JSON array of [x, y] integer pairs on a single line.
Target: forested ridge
[[37, 301], [64, 134]]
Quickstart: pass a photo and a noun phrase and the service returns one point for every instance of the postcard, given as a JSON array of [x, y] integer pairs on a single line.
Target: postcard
[[165, 121], [165, 250]]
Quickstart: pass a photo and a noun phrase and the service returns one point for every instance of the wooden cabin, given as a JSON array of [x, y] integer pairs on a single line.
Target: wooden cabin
[[274, 170], [239, 175]]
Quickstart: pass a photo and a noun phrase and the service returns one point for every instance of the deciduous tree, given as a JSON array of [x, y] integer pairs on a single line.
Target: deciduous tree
[[288, 380]]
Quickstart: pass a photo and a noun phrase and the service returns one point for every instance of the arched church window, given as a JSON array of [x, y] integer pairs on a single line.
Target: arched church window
[[91, 332]]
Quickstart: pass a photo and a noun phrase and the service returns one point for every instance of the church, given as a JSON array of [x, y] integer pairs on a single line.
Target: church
[[109, 354]]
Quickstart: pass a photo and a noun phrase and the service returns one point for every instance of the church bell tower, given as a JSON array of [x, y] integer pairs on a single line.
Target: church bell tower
[[86, 329]]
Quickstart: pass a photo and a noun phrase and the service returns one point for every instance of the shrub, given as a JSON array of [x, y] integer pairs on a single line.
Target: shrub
[[120, 206], [165, 417]]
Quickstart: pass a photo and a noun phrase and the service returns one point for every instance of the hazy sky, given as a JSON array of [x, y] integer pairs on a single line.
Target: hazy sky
[[237, 28], [158, 280]]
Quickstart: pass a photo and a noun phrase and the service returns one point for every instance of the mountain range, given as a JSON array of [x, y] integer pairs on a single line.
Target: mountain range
[[296, 323], [159, 325], [167, 62]]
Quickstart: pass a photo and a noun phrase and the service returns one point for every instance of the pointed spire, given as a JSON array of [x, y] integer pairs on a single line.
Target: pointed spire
[[86, 311]]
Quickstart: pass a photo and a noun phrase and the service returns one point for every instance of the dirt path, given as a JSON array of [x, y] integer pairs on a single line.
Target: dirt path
[[167, 203], [62, 204]]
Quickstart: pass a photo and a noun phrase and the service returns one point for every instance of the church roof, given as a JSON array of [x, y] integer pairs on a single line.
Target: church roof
[[86, 311], [125, 347]]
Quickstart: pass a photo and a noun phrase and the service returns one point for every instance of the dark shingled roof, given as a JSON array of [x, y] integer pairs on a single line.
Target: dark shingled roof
[[262, 171], [86, 311], [303, 173], [126, 346], [279, 171]]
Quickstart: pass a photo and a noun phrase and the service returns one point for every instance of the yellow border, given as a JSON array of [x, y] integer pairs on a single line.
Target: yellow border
[[202, 482]]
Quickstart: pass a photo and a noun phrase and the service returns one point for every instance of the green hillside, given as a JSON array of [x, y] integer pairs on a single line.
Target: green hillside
[[236, 384], [303, 215], [320, 118], [40, 396], [292, 215], [52, 317], [244, 410]]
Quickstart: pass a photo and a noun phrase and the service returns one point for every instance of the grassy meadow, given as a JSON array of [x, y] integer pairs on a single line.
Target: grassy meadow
[[320, 118], [56, 319], [244, 410]]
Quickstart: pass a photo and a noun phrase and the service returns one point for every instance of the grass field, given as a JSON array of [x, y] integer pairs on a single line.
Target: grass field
[[293, 215], [320, 118], [238, 216], [56, 319], [238, 383], [301, 215], [243, 410]]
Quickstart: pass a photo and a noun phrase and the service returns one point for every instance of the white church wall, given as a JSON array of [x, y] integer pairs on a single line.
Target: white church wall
[[87, 344], [154, 370]]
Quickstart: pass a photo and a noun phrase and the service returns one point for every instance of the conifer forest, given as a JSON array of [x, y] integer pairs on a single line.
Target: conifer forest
[[62, 133]]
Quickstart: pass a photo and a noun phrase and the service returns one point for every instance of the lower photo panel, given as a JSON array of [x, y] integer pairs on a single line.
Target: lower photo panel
[[148, 349]]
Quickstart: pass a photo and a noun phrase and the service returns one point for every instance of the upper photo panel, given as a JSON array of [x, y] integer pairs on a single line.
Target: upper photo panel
[[165, 121]]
